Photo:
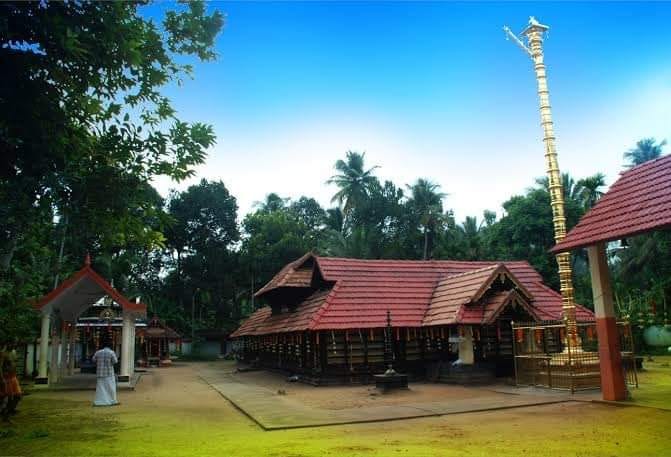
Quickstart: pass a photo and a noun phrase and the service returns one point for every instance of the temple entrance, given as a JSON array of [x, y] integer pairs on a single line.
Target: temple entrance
[[495, 350], [74, 317]]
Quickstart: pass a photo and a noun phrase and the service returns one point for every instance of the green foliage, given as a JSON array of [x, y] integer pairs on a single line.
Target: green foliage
[[84, 129], [645, 150]]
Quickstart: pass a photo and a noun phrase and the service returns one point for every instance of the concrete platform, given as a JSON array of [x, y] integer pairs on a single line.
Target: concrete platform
[[278, 412], [87, 381]]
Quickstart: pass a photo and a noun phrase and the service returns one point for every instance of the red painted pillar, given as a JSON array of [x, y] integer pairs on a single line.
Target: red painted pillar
[[612, 376]]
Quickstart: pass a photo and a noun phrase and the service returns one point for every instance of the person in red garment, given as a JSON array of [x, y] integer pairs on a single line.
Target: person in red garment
[[10, 387]]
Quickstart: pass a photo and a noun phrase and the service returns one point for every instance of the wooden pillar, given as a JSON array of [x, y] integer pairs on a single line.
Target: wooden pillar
[[610, 359], [44, 349]]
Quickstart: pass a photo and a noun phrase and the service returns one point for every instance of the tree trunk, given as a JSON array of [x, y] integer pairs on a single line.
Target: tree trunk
[[7, 254], [59, 260], [426, 243]]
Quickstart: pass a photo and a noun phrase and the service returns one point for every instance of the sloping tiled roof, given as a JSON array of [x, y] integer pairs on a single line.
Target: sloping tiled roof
[[365, 289], [639, 201], [454, 292], [263, 322], [291, 275]]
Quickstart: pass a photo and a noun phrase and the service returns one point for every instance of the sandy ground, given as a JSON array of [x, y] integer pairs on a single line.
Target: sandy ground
[[345, 397], [174, 413]]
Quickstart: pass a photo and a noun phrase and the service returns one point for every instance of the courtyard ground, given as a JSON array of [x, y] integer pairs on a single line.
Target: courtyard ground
[[174, 412]]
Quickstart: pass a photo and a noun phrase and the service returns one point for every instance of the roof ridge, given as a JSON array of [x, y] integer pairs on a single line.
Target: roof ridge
[[470, 272]]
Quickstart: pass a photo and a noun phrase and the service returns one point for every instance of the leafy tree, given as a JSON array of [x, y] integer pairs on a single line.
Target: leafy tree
[[646, 149], [203, 234], [273, 202], [85, 127], [204, 217], [271, 240], [81, 88]]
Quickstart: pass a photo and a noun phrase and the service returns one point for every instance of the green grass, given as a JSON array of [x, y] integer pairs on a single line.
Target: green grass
[[654, 383], [65, 424]]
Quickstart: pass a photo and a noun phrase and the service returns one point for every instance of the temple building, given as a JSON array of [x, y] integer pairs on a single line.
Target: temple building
[[451, 320]]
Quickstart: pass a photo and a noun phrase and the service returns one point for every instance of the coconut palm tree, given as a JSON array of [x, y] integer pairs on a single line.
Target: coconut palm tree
[[568, 186], [272, 203], [427, 202], [352, 180], [470, 232], [645, 150], [589, 189]]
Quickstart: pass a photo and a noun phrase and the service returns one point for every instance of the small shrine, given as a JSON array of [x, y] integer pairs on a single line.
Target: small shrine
[[155, 343]]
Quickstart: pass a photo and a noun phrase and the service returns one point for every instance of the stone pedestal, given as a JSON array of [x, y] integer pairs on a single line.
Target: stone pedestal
[[391, 380]]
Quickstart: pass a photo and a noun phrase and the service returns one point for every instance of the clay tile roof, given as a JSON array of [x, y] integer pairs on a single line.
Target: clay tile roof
[[454, 292], [639, 201], [291, 275], [364, 290], [263, 322]]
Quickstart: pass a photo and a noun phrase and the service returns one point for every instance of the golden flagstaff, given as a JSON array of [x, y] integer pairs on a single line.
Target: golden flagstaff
[[534, 35]]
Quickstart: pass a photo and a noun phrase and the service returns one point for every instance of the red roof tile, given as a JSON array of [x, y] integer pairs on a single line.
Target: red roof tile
[[291, 275], [263, 322], [365, 289], [639, 201], [453, 293]]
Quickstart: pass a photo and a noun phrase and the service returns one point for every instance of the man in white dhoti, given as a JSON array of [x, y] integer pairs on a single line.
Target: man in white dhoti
[[105, 359]]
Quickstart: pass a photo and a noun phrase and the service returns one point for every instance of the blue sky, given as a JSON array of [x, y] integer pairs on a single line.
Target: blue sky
[[428, 90]]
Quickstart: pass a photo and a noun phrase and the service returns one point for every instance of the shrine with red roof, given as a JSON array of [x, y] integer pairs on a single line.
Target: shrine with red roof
[[326, 317]]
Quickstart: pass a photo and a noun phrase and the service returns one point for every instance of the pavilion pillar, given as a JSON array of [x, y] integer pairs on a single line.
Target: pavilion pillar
[[44, 349], [124, 374], [71, 349], [466, 346], [53, 356], [62, 351], [131, 358], [610, 359]]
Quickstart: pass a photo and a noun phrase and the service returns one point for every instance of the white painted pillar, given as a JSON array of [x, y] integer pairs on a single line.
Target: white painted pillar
[[126, 330], [71, 350], [466, 346], [44, 349], [53, 359], [62, 352], [131, 368]]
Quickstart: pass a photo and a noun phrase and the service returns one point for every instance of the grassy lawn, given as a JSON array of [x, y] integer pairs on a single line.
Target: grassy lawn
[[173, 413], [655, 384]]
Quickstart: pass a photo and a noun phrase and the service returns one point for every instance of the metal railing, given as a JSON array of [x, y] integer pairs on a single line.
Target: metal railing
[[542, 359]]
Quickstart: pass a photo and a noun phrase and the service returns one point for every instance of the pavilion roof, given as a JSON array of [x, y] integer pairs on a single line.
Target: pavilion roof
[[81, 290], [156, 328], [417, 293], [639, 201]]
